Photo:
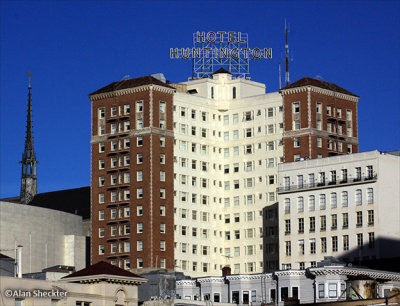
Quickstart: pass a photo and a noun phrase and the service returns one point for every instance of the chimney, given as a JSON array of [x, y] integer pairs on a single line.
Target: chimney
[[226, 271]]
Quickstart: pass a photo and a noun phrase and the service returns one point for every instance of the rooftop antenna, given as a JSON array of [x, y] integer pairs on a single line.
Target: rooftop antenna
[[287, 80]]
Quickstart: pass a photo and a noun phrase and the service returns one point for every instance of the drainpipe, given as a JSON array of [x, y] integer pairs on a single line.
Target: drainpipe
[[19, 265]]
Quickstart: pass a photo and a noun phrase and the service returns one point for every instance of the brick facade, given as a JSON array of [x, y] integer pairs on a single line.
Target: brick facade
[[132, 174], [320, 120]]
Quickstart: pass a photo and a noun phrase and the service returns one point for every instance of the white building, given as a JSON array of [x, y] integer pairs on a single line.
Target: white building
[[48, 237], [228, 142], [327, 283], [100, 284], [344, 206]]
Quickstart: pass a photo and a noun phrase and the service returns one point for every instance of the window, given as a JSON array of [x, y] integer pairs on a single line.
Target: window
[[323, 245], [333, 221], [348, 115], [287, 227], [139, 176], [323, 223], [332, 290], [139, 245], [312, 245], [162, 158], [288, 248], [311, 203], [101, 195], [312, 224], [139, 193], [333, 200], [139, 141], [345, 242], [345, 220], [359, 218], [296, 142], [101, 164], [140, 263], [358, 197], [322, 202], [359, 240], [101, 249], [319, 125], [162, 210], [270, 112], [101, 214], [301, 225], [287, 206], [321, 290], [162, 245], [296, 124], [139, 158], [370, 217], [371, 240], [300, 204], [162, 141], [102, 113], [370, 195], [296, 107], [345, 199], [301, 247]]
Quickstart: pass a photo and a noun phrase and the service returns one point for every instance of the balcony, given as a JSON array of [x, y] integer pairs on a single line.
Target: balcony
[[323, 184]]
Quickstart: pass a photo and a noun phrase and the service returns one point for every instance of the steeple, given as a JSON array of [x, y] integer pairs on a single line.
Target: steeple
[[28, 178]]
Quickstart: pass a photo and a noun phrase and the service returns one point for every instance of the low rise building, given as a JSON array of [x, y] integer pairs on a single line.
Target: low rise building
[[100, 284], [48, 237], [329, 282]]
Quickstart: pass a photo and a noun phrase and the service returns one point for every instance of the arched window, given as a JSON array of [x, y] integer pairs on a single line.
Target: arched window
[[234, 93]]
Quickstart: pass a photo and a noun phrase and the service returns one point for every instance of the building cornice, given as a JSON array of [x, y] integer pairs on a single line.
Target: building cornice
[[249, 276], [186, 282], [374, 274], [115, 279], [323, 91], [127, 91], [205, 280], [290, 273], [320, 133]]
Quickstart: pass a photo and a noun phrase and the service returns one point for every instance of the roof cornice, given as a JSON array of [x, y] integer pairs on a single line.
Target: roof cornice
[[127, 91], [355, 272], [320, 91], [106, 278]]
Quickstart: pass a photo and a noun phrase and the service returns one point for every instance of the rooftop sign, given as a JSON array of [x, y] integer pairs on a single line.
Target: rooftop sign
[[212, 50]]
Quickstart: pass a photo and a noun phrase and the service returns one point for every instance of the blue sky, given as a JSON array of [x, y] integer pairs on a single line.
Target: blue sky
[[75, 47]]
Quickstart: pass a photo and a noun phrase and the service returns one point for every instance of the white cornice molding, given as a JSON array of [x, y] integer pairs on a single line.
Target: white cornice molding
[[290, 273], [186, 282], [249, 276], [106, 278], [319, 90], [374, 274], [127, 91], [210, 280]]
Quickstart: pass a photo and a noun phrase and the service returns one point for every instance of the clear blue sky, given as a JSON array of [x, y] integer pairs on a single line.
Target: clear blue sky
[[75, 47]]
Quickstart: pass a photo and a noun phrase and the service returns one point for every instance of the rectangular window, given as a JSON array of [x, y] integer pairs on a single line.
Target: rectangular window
[[370, 195], [370, 217], [345, 242], [345, 220], [323, 245], [311, 203], [332, 290]]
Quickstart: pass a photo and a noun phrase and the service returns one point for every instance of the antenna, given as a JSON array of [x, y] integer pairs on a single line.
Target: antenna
[[287, 80], [280, 78]]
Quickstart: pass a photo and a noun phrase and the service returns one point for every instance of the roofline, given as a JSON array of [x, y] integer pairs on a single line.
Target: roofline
[[102, 277]]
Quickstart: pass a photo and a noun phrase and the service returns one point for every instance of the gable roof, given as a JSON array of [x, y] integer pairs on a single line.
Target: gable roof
[[131, 83], [102, 268], [222, 70], [75, 201], [307, 81]]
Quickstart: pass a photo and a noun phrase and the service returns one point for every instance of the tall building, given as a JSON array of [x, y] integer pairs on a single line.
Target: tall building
[[228, 135], [132, 174], [342, 206], [320, 120], [28, 178], [221, 141]]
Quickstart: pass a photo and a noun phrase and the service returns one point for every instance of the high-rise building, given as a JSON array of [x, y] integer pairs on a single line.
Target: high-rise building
[[132, 174], [320, 120], [220, 143]]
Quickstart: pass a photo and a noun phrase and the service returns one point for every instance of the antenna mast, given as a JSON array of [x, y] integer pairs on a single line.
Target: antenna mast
[[287, 80]]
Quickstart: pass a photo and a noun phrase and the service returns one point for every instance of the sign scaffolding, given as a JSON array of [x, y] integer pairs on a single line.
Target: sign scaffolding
[[214, 50]]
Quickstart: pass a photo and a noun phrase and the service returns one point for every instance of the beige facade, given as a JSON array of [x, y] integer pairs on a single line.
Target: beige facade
[[344, 206], [228, 135], [110, 290], [48, 237]]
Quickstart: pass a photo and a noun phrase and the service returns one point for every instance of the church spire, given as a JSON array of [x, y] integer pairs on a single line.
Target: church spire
[[28, 178]]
